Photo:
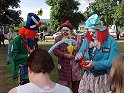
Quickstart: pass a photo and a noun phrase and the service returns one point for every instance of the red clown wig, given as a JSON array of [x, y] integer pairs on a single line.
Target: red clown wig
[[101, 36], [27, 33]]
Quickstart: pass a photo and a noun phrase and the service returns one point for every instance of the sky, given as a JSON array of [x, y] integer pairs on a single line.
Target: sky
[[27, 6]]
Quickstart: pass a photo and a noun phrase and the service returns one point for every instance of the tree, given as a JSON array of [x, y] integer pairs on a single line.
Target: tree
[[9, 16], [43, 27], [108, 10], [62, 10], [118, 15]]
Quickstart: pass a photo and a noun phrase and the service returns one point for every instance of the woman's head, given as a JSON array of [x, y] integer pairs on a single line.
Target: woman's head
[[11, 28], [117, 74], [40, 61]]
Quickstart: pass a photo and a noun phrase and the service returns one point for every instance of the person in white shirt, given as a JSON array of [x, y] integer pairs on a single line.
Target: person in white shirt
[[10, 37], [40, 65]]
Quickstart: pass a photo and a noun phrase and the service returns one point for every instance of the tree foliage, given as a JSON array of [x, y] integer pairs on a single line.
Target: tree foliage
[[62, 10], [43, 27], [110, 11], [7, 15], [118, 15]]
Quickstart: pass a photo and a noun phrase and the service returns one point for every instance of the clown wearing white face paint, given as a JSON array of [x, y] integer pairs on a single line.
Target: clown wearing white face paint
[[68, 70], [101, 49]]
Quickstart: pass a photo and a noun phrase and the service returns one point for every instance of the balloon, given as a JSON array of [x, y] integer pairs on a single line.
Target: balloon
[[70, 49], [60, 42]]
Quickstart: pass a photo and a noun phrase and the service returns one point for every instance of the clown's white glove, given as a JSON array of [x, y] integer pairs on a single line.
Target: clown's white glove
[[78, 56]]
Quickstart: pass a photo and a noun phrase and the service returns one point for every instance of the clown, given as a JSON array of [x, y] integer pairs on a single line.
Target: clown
[[69, 70], [22, 46], [101, 49]]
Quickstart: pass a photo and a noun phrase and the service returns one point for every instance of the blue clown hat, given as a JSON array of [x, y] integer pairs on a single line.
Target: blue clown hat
[[93, 21], [33, 21]]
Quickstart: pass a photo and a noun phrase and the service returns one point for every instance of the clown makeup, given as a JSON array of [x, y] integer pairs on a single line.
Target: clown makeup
[[93, 33], [66, 31]]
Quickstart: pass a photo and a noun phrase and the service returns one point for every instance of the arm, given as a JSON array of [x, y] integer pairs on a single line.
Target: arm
[[103, 64], [17, 54]]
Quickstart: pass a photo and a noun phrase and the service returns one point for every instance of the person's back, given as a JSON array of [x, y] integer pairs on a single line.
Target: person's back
[[32, 88]]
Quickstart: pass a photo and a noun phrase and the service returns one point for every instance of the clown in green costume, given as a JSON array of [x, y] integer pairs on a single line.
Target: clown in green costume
[[23, 44]]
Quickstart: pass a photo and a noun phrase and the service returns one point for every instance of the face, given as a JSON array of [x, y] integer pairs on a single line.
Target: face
[[93, 33], [10, 29], [66, 31]]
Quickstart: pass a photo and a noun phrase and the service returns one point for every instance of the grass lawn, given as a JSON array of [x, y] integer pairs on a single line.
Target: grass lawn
[[6, 81]]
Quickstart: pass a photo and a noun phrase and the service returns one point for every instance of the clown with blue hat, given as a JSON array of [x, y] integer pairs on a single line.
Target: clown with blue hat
[[100, 51], [23, 44]]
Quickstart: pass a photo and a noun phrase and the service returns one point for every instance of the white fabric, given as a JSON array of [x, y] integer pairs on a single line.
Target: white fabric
[[32, 17], [32, 88], [65, 28], [11, 35]]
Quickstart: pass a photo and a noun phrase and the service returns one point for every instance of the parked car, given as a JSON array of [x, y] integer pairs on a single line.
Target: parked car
[[56, 34], [113, 34]]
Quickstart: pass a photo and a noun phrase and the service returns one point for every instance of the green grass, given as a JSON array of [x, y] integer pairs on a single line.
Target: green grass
[[6, 81]]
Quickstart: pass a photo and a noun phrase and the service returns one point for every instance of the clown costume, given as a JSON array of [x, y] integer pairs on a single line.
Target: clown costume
[[68, 70], [23, 44], [100, 51]]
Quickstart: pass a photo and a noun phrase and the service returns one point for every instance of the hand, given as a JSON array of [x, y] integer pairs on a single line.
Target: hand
[[31, 50], [90, 65], [76, 47], [78, 56], [69, 56]]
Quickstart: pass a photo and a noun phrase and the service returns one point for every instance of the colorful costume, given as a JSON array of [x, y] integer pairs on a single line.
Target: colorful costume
[[68, 69], [101, 49], [23, 44]]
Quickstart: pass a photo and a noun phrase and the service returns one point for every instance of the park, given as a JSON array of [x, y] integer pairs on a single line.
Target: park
[[86, 36], [6, 81]]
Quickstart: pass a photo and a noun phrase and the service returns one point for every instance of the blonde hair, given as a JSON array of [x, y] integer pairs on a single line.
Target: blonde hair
[[117, 77]]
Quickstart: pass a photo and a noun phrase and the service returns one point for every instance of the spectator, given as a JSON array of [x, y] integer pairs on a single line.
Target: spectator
[[40, 65], [2, 38], [69, 71], [117, 75], [100, 51], [10, 37]]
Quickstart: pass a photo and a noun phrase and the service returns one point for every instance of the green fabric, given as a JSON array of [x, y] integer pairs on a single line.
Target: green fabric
[[19, 56]]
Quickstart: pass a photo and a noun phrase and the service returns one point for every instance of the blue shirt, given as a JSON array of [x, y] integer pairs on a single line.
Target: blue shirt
[[103, 57]]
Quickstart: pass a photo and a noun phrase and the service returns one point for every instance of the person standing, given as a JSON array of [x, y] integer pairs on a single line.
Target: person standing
[[44, 35], [100, 51], [10, 37], [2, 38], [23, 44], [68, 70]]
